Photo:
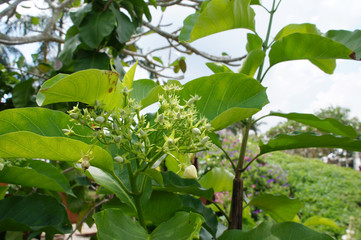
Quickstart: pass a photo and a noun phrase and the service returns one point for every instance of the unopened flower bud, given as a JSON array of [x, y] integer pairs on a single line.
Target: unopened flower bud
[[85, 164], [190, 172], [160, 118], [179, 115], [170, 141], [190, 101], [208, 126], [117, 139], [74, 115], [125, 90], [119, 159], [196, 131], [68, 132], [100, 119], [205, 140], [115, 126]]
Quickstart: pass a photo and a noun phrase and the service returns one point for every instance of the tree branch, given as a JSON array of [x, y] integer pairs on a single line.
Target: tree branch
[[173, 37], [9, 11]]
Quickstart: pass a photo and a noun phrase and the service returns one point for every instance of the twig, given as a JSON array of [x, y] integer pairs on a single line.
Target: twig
[[86, 216]]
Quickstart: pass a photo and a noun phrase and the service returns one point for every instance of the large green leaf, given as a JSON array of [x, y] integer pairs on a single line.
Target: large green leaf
[[196, 205], [297, 28], [315, 48], [96, 26], [326, 65], [217, 16], [226, 98], [91, 59], [174, 183], [85, 86], [109, 182], [146, 92], [77, 14], [349, 39], [69, 48], [36, 173], [306, 140], [125, 27], [220, 179], [22, 93], [33, 213], [276, 231], [23, 144], [113, 224], [42, 121], [162, 206], [183, 226], [329, 125], [252, 62], [279, 207]]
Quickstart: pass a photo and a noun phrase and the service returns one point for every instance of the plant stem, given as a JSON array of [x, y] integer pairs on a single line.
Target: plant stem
[[137, 195], [265, 43]]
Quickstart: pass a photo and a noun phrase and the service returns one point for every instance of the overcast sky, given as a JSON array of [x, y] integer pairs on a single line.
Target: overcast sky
[[295, 86]]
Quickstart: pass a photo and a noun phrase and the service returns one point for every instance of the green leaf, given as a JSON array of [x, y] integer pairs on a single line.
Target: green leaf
[[305, 140], [96, 26], [196, 205], [33, 213], [254, 42], [77, 14], [217, 16], [154, 174], [185, 226], [308, 46], [91, 59], [85, 86], [161, 207], [226, 98], [23, 144], [114, 224], [109, 182], [279, 207], [146, 92], [174, 183], [125, 28], [36, 173], [276, 231], [42, 121], [349, 39], [220, 179], [252, 62], [3, 190], [35, 20], [69, 48], [317, 220], [329, 125], [218, 67], [297, 28], [22, 93], [175, 159], [129, 77]]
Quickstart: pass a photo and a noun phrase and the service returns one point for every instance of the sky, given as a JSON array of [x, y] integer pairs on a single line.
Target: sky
[[295, 86]]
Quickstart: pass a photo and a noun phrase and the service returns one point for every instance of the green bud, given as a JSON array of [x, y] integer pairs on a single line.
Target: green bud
[[190, 172], [119, 159], [208, 126], [100, 119], [170, 141], [196, 131], [115, 126], [117, 139], [160, 118], [205, 140], [85, 164], [179, 115], [74, 115]]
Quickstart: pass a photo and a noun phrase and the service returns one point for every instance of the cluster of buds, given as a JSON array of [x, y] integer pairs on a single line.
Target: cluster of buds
[[186, 131]]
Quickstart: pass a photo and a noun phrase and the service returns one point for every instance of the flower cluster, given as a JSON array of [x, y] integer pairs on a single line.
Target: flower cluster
[[146, 138]]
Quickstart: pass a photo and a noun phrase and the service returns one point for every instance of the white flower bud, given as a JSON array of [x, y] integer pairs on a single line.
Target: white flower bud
[[190, 172], [179, 116], [205, 140], [170, 141], [100, 119], [196, 131], [208, 126], [117, 139], [119, 159], [160, 118]]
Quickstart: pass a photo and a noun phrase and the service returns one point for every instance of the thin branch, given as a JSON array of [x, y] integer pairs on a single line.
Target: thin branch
[[159, 74], [226, 60], [86, 216], [10, 10]]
